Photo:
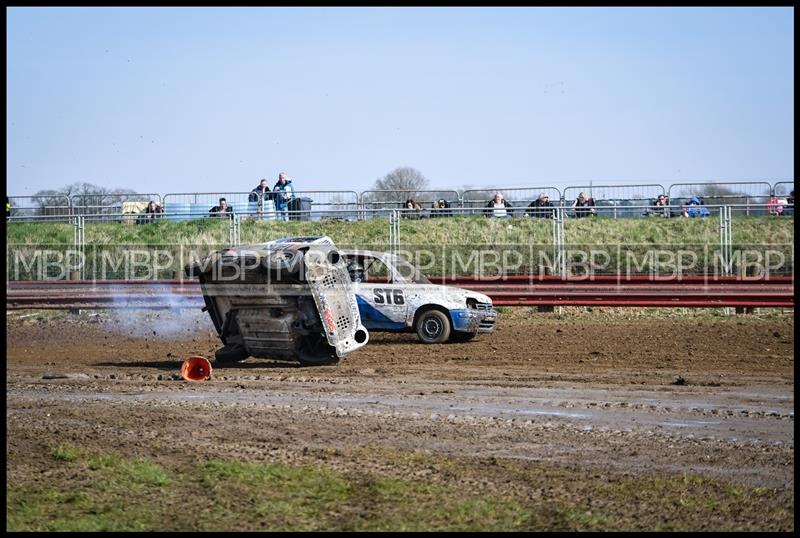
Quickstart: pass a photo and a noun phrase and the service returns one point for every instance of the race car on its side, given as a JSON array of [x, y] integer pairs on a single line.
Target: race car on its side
[[393, 295]]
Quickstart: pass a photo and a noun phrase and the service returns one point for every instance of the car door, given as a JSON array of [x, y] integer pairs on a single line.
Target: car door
[[381, 303]]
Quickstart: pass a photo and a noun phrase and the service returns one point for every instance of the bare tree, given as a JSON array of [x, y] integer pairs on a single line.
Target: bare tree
[[86, 195], [398, 185], [403, 178]]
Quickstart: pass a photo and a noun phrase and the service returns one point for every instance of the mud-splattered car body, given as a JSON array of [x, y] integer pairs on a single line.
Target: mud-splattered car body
[[287, 299], [397, 297]]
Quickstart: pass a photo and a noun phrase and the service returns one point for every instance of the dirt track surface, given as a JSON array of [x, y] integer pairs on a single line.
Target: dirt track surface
[[598, 394]]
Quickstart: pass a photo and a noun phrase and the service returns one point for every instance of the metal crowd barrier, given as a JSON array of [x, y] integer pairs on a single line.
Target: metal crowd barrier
[[111, 203], [615, 201], [520, 198], [44, 206]]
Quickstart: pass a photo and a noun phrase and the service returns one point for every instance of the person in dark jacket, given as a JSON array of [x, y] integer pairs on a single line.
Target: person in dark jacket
[[260, 192], [498, 207], [441, 208], [539, 207], [151, 212], [583, 206], [659, 207], [221, 210]]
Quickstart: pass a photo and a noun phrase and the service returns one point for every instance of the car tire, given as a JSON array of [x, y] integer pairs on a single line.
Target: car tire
[[433, 327], [460, 336], [316, 352], [231, 353]]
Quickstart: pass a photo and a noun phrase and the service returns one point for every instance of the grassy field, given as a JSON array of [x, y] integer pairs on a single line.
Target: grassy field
[[119, 493], [440, 240]]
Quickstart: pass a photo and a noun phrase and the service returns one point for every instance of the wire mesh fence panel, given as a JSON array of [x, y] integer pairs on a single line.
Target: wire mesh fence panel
[[109, 204], [528, 201], [321, 205], [29, 207], [614, 201], [193, 205], [783, 188], [783, 192], [425, 199], [751, 196]]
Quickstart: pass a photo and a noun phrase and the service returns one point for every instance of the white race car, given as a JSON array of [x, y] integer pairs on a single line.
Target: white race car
[[393, 295]]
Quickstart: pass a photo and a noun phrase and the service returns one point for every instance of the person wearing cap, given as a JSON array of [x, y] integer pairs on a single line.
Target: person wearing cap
[[498, 207], [537, 208], [356, 271]]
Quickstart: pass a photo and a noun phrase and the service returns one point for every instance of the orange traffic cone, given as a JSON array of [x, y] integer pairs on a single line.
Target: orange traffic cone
[[196, 369]]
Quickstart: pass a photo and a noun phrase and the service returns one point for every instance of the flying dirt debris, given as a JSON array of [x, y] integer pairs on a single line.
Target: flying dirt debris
[[289, 299]]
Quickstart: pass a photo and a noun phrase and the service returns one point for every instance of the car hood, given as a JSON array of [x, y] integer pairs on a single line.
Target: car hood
[[451, 293]]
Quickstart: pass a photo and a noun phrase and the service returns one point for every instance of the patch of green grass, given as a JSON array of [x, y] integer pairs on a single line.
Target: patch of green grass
[[579, 519], [64, 453], [118, 493]]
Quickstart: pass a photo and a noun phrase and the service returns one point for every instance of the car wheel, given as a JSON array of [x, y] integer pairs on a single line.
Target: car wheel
[[231, 353], [433, 327], [316, 352], [460, 336]]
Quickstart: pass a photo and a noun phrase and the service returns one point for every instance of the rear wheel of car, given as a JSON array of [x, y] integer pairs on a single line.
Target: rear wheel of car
[[315, 351], [460, 336], [433, 327], [231, 353]]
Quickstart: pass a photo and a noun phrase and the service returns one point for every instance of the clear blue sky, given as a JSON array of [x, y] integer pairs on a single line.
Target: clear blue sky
[[209, 99]]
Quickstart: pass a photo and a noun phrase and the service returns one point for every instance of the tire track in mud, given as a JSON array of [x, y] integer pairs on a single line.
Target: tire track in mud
[[591, 394], [769, 416]]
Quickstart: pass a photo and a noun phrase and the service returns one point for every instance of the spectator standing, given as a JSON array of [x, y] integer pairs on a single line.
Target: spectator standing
[[221, 210], [8, 208], [261, 192], [151, 212], [283, 193], [498, 207], [541, 208], [789, 211], [583, 206]]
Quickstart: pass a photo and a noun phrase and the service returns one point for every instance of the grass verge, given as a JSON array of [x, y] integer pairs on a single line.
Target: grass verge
[[407, 491]]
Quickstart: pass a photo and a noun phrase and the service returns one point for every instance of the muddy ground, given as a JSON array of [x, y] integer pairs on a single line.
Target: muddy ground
[[593, 396]]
